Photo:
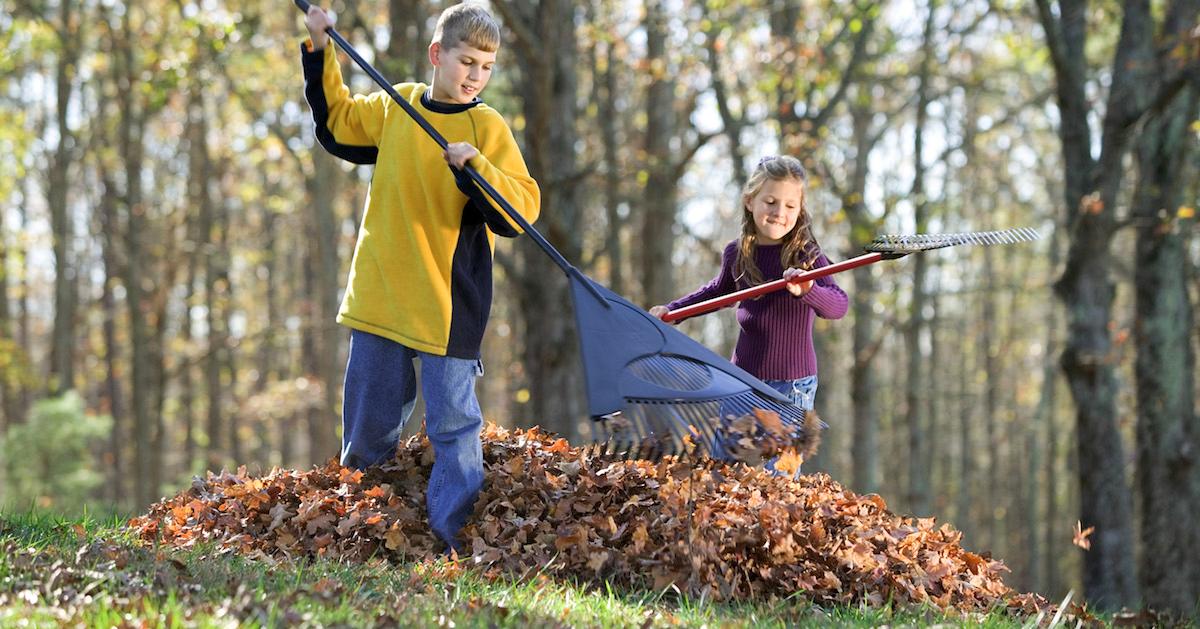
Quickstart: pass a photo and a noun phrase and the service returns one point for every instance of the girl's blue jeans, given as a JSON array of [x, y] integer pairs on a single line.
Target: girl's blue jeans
[[380, 392], [803, 393]]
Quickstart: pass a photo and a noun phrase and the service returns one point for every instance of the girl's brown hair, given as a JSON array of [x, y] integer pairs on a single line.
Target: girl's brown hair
[[799, 247]]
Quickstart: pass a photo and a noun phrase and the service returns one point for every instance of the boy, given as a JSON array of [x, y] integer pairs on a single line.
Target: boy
[[420, 284]]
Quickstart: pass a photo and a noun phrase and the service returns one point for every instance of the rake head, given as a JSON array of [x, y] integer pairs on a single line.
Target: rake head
[[913, 243], [713, 414]]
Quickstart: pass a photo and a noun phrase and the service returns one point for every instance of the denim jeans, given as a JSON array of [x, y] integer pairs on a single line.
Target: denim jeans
[[380, 392], [803, 393]]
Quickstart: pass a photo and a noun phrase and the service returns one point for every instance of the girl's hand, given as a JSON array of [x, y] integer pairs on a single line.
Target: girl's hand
[[317, 20], [659, 311], [800, 289], [457, 154]]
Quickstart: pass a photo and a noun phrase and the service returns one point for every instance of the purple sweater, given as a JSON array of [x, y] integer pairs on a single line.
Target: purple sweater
[[776, 341]]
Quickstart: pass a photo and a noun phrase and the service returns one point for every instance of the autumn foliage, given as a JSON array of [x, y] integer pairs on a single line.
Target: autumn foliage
[[707, 529]]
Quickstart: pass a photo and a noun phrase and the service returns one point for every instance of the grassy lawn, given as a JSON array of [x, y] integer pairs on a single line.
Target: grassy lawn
[[90, 572]]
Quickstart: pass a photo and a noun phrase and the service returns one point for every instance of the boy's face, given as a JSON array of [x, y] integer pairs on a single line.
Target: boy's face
[[459, 73]]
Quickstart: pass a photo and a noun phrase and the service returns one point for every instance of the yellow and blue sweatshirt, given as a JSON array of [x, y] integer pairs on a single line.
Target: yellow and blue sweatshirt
[[422, 268]]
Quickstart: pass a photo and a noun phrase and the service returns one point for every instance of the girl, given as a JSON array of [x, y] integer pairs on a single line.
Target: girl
[[775, 342]]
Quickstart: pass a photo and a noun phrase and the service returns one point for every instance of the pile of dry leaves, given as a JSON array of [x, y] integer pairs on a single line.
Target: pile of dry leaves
[[725, 532]]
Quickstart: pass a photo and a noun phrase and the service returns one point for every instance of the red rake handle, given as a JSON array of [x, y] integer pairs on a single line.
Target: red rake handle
[[770, 287]]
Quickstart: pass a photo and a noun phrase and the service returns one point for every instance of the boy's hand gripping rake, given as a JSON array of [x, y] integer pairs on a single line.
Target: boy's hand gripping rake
[[652, 390], [882, 248]]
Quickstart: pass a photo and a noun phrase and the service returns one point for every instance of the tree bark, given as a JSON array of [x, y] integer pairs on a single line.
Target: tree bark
[[1045, 570], [551, 357], [62, 353], [919, 482], [964, 517], [321, 347], [9, 377], [1168, 437], [609, 92], [991, 403], [114, 397], [406, 58], [129, 139], [864, 449], [661, 191]]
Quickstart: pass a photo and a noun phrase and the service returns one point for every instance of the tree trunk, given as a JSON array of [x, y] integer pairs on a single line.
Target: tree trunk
[[991, 404], [22, 316], [919, 489], [130, 128], [1168, 437], [1085, 286], [661, 191], [963, 513], [62, 353], [209, 242], [406, 58], [1051, 524], [186, 383], [199, 201], [609, 92], [321, 345], [9, 383], [864, 449], [936, 391], [270, 354], [551, 357], [114, 402], [1045, 569]]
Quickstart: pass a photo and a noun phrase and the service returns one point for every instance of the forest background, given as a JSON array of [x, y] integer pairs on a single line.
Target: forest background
[[175, 244]]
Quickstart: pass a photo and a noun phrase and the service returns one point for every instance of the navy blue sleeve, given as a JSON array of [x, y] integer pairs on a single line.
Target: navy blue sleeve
[[493, 218], [314, 93]]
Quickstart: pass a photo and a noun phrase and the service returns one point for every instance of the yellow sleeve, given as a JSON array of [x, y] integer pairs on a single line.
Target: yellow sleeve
[[500, 162], [357, 119]]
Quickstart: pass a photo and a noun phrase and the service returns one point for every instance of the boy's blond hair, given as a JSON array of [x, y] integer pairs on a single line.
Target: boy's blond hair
[[470, 24]]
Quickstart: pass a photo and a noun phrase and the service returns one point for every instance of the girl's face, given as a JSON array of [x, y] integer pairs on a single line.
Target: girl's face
[[460, 73], [775, 209]]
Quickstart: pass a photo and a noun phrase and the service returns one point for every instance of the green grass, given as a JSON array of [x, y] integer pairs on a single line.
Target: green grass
[[89, 572]]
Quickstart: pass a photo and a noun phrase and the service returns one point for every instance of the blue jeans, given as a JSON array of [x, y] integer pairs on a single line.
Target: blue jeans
[[380, 392], [803, 393]]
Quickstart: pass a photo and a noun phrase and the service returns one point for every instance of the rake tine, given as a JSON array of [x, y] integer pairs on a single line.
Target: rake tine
[[709, 429]]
